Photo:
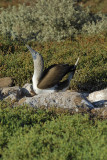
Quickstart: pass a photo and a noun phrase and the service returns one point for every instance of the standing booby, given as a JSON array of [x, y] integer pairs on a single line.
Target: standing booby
[[48, 80]]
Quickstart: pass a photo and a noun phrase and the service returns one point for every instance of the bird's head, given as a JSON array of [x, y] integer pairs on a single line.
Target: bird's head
[[33, 52]]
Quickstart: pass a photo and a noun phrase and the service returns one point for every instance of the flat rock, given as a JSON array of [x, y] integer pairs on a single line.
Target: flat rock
[[68, 99], [6, 82], [9, 90]]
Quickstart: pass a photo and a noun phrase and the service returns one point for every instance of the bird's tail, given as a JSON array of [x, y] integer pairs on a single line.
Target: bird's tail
[[72, 73], [76, 62]]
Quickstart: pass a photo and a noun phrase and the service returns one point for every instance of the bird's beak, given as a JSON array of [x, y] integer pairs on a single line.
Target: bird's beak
[[33, 52]]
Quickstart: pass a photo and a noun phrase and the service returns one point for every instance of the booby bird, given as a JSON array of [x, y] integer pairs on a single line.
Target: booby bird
[[48, 80]]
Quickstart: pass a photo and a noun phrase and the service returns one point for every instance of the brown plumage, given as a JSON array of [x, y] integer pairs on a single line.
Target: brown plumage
[[54, 74]]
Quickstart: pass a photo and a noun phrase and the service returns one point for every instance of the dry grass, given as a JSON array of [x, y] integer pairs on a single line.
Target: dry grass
[[95, 6], [6, 3]]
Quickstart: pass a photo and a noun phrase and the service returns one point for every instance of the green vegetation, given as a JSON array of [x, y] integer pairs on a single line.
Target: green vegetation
[[29, 134], [49, 20], [95, 6], [53, 21], [16, 60]]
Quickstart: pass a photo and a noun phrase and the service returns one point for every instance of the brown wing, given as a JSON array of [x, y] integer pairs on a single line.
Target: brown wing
[[52, 75]]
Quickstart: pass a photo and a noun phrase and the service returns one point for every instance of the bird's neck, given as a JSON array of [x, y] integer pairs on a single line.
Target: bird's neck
[[38, 70]]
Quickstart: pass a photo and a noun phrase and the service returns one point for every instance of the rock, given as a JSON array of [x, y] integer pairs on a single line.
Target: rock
[[9, 90], [98, 95], [6, 82], [21, 101], [70, 100], [12, 97], [98, 98], [96, 102], [17, 92], [26, 90]]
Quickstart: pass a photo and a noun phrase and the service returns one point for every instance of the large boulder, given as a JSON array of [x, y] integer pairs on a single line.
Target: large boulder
[[68, 99], [95, 103]]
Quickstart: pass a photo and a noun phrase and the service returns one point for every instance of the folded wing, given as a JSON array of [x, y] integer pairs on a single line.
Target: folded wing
[[52, 75]]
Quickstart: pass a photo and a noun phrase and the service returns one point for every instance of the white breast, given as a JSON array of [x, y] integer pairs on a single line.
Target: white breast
[[42, 91]]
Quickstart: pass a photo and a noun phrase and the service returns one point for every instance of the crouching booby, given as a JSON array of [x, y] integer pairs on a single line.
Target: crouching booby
[[48, 80]]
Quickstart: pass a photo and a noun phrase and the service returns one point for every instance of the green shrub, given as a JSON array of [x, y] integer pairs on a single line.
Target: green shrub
[[49, 20], [16, 61], [26, 133], [19, 118]]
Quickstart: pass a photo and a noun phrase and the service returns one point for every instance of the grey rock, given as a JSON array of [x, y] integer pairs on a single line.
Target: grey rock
[[98, 95], [96, 101], [98, 98], [70, 100], [26, 90], [9, 90], [12, 97]]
